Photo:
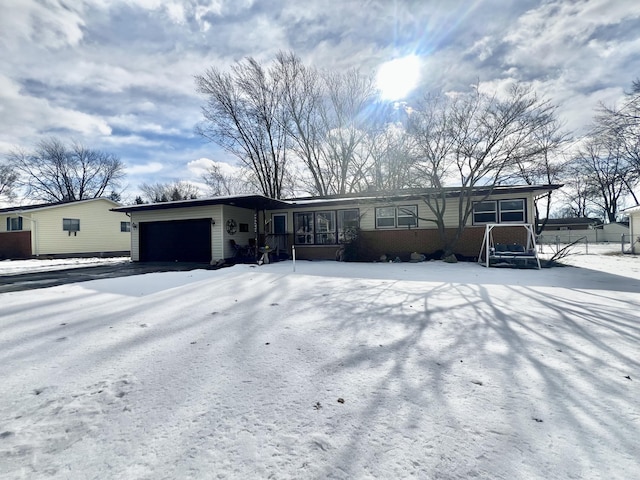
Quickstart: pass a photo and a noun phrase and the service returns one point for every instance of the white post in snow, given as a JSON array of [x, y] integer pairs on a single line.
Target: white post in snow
[[293, 254]]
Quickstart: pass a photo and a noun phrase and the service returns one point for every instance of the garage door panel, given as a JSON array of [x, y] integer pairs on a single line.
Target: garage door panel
[[176, 241]]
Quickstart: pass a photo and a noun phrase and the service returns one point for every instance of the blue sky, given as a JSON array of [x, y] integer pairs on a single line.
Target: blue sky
[[118, 74]]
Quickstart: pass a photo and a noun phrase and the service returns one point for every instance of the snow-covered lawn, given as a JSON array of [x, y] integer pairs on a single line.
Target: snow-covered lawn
[[12, 267], [337, 370]]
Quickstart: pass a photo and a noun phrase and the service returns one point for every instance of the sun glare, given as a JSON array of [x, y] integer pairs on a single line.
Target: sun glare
[[396, 78]]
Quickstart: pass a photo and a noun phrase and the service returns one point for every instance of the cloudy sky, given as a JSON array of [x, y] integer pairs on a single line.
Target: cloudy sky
[[118, 74]]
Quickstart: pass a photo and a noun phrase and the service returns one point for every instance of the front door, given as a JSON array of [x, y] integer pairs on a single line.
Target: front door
[[279, 230]]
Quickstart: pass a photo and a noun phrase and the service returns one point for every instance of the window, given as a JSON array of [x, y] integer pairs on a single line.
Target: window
[[407, 216], [348, 223], [303, 225], [499, 211], [71, 224], [396, 217], [14, 224], [327, 227], [243, 227], [485, 212], [125, 226], [512, 211]]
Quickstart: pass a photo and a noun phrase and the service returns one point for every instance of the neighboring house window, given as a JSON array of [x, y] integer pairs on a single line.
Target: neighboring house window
[[71, 224], [325, 227], [14, 224], [499, 211], [125, 226], [397, 217]]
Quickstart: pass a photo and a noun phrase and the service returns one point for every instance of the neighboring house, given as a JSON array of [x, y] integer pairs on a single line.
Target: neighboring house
[[567, 230], [571, 223], [80, 228], [388, 223], [634, 228]]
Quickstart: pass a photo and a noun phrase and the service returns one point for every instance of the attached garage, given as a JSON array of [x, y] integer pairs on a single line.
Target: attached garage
[[198, 231], [176, 241]]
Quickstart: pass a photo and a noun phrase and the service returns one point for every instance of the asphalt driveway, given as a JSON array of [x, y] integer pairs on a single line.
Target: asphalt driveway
[[29, 281]]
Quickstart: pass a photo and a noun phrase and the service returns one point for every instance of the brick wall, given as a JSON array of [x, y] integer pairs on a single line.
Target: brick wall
[[400, 243], [15, 245]]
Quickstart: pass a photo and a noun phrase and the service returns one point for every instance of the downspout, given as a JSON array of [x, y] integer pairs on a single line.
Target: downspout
[[131, 229]]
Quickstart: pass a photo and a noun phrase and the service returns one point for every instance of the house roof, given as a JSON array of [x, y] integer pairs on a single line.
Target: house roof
[[262, 202], [634, 209], [243, 201], [416, 194], [44, 206]]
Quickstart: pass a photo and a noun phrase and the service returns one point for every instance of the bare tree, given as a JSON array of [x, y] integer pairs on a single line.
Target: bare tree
[[8, 181], [606, 173], [221, 184], [475, 140], [244, 115], [55, 172], [620, 128], [171, 191], [547, 167], [303, 100], [327, 123], [393, 158], [346, 127], [578, 193]]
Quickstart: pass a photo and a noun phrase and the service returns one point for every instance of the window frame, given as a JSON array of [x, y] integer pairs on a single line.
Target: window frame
[[125, 227], [347, 232], [68, 225], [310, 231], [10, 224], [523, 210], [304, 229], [398, 214], [498, 211], [413, 216]]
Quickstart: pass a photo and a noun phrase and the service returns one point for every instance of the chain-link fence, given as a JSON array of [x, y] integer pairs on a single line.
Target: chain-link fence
[[582, 244]]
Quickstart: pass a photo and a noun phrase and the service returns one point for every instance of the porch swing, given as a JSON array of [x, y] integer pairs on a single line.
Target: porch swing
[[512, 255]]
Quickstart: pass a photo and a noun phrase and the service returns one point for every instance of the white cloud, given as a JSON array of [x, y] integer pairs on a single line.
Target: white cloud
[[131, 122], [54, 23], [151, 167], [95, 67], [24, 117], [200, 166]]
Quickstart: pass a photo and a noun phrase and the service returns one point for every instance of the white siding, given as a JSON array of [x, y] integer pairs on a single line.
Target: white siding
[[99, 229], [26, 224], [634, 230], [239, 215]]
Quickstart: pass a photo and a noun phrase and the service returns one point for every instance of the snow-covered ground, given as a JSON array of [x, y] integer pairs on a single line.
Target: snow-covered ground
[[12, 267], [336, 370]]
